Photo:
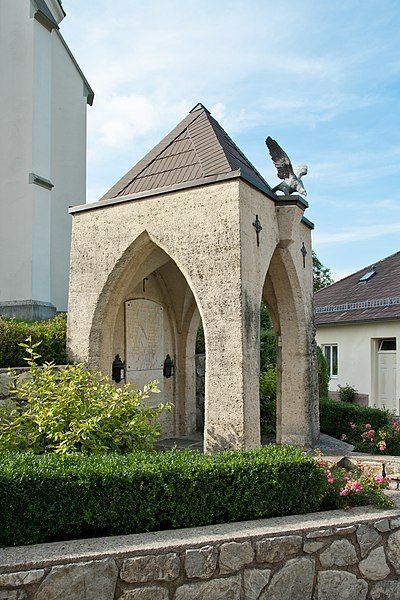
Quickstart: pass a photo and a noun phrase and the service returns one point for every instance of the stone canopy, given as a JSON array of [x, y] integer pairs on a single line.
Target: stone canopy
[[193, 234]]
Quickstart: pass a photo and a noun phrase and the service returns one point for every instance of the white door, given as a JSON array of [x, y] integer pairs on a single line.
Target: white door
[[387, 377], [144, 335]]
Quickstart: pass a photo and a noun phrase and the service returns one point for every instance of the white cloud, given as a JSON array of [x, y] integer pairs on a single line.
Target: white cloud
[[355, 234]]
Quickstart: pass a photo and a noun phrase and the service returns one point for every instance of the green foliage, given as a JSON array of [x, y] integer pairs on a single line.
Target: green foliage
[[76, 410], [268, 349], [52, 497], [359, 487], [51, 334], [336, 417], [323, 374], [268, 399], [382, 440], [347, 393], [200, 342], [322, 275]]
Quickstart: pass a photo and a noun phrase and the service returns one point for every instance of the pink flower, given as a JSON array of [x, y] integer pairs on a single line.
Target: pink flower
[[382, 445], [343, 492], [355, 486], [380, 479], [344, 437], [330, 479], [394, 424], [367, 426], [352, 425]]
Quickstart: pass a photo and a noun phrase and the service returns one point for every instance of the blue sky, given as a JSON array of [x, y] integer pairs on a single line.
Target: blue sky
[[321, 77]]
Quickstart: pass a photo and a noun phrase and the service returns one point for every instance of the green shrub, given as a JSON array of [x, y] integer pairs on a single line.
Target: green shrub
[[323, 374], [268, 399], [336, 417], [51, 334], [52, 497], [383, 440], [76, 410], [358, 487], [347, 393]]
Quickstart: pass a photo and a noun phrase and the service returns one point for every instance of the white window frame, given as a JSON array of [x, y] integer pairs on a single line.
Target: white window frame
[[330, 361]]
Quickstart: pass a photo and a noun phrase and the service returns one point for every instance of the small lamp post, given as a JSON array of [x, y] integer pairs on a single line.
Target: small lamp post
[[118, 369], [168, 367]]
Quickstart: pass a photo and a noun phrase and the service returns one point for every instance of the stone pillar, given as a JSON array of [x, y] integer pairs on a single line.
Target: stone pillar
[[232, 409]]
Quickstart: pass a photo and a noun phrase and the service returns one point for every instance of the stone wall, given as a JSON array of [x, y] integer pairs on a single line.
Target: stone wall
[[5, 382], [327, 556]]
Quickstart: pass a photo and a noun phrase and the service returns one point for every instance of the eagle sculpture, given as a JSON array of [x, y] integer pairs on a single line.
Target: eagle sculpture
[[291, 176]]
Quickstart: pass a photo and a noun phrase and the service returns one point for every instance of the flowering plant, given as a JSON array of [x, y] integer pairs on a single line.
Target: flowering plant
[[357, 487], [385, 440]]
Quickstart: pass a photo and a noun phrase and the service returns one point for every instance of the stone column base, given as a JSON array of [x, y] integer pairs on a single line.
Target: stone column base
[[27, 310]]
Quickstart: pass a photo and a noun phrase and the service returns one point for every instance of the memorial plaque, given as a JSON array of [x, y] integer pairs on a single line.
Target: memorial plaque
[[144, 322]]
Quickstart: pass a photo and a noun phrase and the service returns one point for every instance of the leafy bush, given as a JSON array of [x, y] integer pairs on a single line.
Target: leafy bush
[[268, 399], [357, 487], [323, 374], [336, 417], [383, 440], [347, 393], [76, 410], [51, 334], [51, 497]]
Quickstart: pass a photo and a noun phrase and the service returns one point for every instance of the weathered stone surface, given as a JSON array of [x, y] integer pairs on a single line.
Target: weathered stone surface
[[383, 525], [375, 566], [395, 523], [294, 580], [21, 578], [311, 547], [393, 550], [254, 581], [12, 595], [345, 530], [340, 585], [94, 580], [367, 538], [201, 562], [340, 553], [319, 533], [386, 590], [276, 549], [215, 589], [146, 593], [164, 567], [235, 555]]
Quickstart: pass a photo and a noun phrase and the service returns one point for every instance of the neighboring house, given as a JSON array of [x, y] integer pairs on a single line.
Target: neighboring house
[[44, 98], [358, 328]]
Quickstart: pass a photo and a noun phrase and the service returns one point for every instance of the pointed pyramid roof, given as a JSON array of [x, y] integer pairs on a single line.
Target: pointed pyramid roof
[[198, 151]]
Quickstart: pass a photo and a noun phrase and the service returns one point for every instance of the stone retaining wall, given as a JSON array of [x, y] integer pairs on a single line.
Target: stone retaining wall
[[326, 556]]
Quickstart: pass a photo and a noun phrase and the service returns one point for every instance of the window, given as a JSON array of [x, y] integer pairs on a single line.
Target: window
[[331, 357], [367, 276], [387, 344]]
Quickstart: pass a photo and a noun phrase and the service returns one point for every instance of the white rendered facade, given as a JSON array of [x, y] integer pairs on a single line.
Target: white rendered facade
[[44, 98], [368, 358]]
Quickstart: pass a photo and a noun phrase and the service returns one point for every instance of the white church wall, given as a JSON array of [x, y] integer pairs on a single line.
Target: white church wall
[[42, 132]]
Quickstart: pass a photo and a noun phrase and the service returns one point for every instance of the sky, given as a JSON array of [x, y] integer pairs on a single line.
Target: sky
[[320, 77]]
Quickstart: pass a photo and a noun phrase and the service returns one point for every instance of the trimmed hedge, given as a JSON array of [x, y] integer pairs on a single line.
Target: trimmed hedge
[[335, 417], [52, 334], [49, 497]]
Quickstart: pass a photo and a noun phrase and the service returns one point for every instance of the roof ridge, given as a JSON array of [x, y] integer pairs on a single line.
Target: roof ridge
[[197, 148]]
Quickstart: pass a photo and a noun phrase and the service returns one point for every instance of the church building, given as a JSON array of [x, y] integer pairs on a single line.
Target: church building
[[44, 97]]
